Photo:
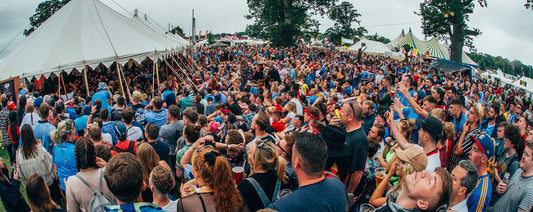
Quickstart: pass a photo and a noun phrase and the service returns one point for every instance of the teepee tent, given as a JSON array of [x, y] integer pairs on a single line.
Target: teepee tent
[[394, 43], [372, 47], [436, 49], [84, 32], [417, 45]]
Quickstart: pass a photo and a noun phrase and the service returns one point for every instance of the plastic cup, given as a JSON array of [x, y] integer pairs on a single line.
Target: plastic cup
[[366, 208], [190, 189], [380, 174], [283, 193], [238, 173]]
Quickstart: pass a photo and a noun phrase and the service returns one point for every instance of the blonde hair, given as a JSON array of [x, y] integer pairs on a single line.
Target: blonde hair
[[448, 127], [64, 128], [407, 170], [438, 113], [266, 154], [148, 158], [292, 107], [407, 127], [136, 96]]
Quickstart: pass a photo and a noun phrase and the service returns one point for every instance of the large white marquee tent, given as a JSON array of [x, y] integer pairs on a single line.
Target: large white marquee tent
[[84, 32]]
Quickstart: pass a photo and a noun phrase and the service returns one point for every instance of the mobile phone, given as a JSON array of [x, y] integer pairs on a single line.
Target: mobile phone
[[337, 113]]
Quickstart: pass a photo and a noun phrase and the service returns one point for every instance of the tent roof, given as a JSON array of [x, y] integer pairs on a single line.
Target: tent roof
[[371, 47], [413, 42], [525, 83], [436, 49], [394, 43], [83, 32]]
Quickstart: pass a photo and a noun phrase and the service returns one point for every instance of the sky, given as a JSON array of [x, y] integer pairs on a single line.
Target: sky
[[506, 25]]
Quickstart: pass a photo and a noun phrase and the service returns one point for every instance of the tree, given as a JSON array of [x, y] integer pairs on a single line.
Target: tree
[[43, 12], [283, 21], [178, 30], [447, 20], [376, 37], [344, 15], [529, 4], [210, 38]]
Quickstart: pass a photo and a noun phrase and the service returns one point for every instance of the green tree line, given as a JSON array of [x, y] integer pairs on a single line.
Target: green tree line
[[515, 67]]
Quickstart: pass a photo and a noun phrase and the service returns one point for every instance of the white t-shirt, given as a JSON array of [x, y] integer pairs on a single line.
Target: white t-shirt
[[433, 160], [134, 133], [172, 206], [292, 116]]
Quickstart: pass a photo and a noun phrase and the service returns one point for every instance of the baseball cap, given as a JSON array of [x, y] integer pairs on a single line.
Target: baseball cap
[[120, 129], [485, 144], [414, 156], [431, 125], [102, 86]]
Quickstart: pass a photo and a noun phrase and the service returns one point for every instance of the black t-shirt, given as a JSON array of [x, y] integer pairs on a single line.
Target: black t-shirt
[[162, 149], [235, 109], [250, 197], [358, 142], [116, 114]]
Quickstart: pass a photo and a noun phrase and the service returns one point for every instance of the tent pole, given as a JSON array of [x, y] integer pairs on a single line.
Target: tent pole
[[157, 72], [125, 82], [153, 80], [86, 81], [59, 86], [119, 79], [64, 87]]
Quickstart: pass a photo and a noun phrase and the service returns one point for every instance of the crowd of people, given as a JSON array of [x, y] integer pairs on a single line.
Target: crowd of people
[[268, 129]]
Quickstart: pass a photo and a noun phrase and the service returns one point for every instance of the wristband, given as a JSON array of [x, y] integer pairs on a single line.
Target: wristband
[[227, 146]]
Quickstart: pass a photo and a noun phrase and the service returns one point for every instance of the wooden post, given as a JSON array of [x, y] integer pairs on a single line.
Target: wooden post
[[64, 87], [59, 86], [153, 80], [157, 72], [119, 80], [86, 81]]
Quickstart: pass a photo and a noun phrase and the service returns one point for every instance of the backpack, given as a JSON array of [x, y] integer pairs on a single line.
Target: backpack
[[264, 199], [129, 149], [99, 200]]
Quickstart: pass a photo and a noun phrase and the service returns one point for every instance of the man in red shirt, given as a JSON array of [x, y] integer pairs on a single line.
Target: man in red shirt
[[123, 145]]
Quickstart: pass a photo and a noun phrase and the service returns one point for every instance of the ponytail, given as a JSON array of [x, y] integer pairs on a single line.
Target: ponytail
[[280, 170], [227, 197], [54, 135]]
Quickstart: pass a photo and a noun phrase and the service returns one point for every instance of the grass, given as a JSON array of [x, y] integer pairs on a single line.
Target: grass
[[5, 155]]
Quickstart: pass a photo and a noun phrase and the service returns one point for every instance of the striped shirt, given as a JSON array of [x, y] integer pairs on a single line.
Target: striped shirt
[[519, 194], [479, 198], [467, 146]]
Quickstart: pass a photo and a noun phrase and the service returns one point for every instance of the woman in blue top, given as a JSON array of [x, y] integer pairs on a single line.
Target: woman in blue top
[[64, 138]]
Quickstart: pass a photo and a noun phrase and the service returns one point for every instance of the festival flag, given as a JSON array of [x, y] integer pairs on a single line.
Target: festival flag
[[200, 35], [206, 31]]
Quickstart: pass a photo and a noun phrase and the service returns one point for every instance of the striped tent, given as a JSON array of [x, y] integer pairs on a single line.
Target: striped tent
[[394, 42], [418, 46], [436, 49]]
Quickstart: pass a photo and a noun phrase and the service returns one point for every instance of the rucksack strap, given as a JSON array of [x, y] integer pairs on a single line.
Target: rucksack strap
[[85, 182], [262, 193]]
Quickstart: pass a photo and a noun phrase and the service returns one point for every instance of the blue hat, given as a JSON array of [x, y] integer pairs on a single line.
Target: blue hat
[[485, 144], [120, 129], [102, 86], [37, 102]]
